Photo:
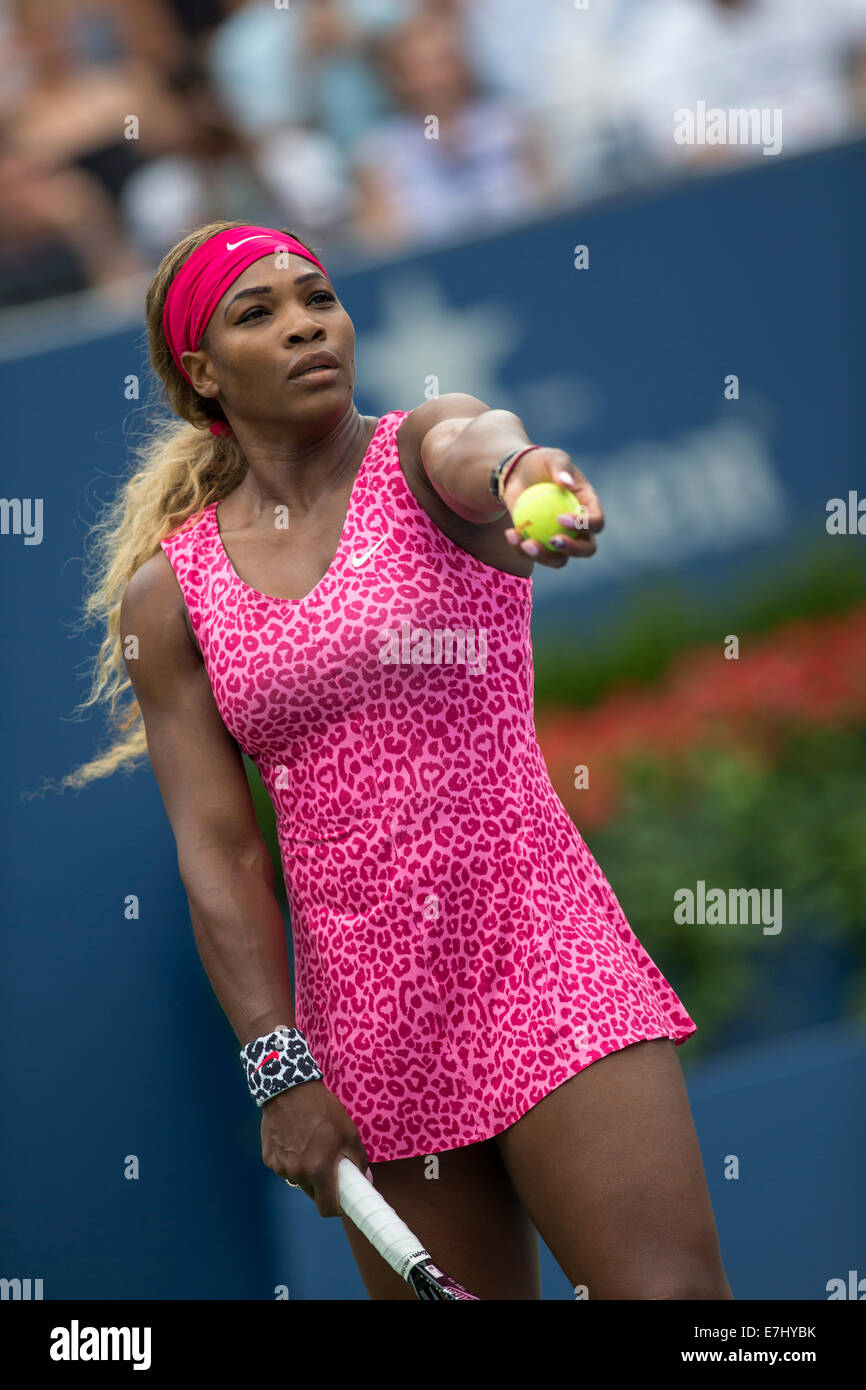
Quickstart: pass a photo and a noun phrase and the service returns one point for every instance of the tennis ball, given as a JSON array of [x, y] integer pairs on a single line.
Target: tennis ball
[[537, 508]]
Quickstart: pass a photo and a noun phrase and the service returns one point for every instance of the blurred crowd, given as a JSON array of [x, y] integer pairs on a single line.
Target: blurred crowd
[[375, 126]]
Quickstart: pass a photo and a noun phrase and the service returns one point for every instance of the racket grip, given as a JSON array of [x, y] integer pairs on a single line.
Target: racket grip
[[377, 1221]]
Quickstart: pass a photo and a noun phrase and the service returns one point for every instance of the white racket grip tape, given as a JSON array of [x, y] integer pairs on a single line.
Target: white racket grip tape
[[374, 1218]]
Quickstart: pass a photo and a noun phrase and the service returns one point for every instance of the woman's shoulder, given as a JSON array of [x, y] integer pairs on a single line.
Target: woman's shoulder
[[153, 607], [154, 583]]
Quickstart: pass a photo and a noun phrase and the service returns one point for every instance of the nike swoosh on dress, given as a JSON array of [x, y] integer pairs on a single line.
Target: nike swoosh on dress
[[359, 559]]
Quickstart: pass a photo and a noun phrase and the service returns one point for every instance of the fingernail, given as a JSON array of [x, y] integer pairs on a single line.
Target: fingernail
[[531, 547], [568, 519], [565, 478], [558, 541]]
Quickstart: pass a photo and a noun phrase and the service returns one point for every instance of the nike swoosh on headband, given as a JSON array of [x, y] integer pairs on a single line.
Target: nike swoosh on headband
[[233, 245], [359, 559]]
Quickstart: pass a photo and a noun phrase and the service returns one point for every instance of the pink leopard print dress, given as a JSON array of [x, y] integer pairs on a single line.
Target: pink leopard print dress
[[458, 951]]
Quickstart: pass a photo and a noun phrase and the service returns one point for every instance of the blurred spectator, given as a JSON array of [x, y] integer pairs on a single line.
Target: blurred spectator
[[64, 157], [320, 115], [506, 41], [254, 63], [796, 56], [108, 29], [452, 159], [216, 176], [68, 107], [300, 86], [58, 233], [573, 82], [306, 65], [337, 37], [72, 110]]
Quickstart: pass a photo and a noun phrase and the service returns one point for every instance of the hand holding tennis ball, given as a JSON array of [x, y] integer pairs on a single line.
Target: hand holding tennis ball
[[537, 508], [554, 508]]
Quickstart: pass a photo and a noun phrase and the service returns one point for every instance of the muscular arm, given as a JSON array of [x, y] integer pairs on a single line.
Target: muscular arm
[[460, 440], [222, 858]]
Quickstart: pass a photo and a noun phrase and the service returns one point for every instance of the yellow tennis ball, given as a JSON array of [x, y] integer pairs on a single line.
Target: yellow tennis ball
[[537, 508]]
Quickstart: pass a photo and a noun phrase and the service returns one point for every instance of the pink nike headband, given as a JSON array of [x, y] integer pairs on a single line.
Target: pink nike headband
[[204, 277]]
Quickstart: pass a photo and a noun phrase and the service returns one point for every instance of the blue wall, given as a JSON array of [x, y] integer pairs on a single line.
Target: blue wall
[[105, 1021]]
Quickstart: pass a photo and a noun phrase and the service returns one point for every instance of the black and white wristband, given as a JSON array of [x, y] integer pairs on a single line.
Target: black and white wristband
[[276, 1062]]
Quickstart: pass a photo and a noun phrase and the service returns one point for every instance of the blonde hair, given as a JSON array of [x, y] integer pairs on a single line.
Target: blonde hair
[[178, 469]]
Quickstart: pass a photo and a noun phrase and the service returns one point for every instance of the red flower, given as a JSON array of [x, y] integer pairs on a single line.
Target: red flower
[[809, 672]]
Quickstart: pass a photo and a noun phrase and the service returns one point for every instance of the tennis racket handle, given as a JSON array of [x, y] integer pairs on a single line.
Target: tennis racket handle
[[374, 1218]]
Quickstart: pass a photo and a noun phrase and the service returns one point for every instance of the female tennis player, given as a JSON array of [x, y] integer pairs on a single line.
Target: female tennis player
[[343, 599]]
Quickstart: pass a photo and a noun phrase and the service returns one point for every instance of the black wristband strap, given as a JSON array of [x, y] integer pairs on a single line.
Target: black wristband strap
[[503, 468]]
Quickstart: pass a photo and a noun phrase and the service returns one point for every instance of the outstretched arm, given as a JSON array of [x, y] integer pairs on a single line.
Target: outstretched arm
[[461, 439]]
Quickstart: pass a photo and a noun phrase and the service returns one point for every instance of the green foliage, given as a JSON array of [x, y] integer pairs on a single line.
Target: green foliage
[[660, 619], [724, 817]]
